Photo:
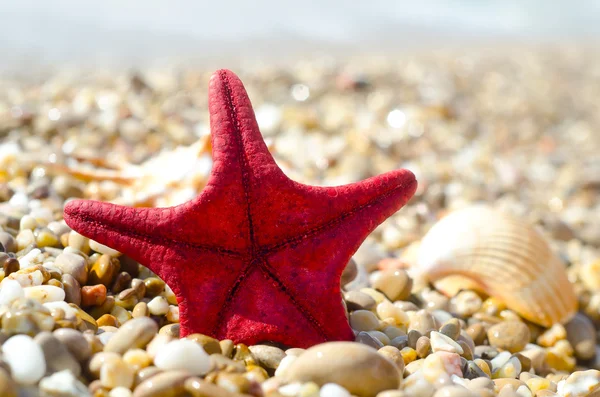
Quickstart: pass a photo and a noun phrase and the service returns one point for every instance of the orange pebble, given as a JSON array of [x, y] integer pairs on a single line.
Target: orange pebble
[[93, 295]]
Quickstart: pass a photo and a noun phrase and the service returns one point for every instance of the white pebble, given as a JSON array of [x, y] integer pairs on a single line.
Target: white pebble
[[173, 314], [284, 364], [158, 306], [500, 359], [333, 390], [45, 293], [103, 249], [291, 390], [30, 259], [29, 279], [441, 342], [63, 384], [579, 384], [120, 392], [105, 337], [10, 290], [116, 373], [70, 312], [25, 359], [185, 355]]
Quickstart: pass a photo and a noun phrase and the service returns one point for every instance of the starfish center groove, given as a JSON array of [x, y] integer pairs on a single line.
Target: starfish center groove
[[241, 154]]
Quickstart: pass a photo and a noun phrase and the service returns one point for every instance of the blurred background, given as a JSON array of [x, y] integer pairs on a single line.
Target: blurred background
[[115, 33]]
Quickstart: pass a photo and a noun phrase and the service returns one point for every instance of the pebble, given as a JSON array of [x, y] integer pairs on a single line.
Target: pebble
[[387, 310], [267, 356], [423, 322], [394, 283], [182, 354], [453, 391], [79, 242], [356, 300], [423, 346], [10, 291], [199, 388], [579, 384], [350, 272], [509, 335], [75, 342], [73, 265], [93, 295], [394, 355], [72, 289], [465, 303], [333, 390], [365, 338], [104, 270], [363, 320], [209, 344], [135, 333], [441, 342], [45, 293], [8, 242], [359, 369], [103, 249], [29, 371], [165, 384], [56, 354], [116, 373], [158, 306], [63, 384], [582, 336]]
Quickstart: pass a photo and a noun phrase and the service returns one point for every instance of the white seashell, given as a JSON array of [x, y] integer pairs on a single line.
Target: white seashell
[[501, 256]]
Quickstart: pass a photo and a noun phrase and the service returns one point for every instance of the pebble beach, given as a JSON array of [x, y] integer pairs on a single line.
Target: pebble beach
[[516, 130]]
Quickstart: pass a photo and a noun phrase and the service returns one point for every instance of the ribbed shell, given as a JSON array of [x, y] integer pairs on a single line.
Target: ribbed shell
[[502, 256]]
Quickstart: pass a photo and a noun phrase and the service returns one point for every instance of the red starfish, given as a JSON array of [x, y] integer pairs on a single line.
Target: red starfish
[[256, 256]]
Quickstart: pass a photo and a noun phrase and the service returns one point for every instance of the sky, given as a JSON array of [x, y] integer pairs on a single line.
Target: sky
[[41, 32]]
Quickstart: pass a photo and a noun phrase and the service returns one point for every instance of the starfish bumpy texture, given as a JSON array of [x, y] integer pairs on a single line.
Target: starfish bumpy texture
[[256, 256]]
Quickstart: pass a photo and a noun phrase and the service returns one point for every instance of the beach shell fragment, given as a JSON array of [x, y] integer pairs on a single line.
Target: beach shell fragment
[[502, 256]]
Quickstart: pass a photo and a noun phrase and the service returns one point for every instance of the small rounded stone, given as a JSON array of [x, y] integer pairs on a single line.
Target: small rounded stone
[[93, 295], [108, 320], [423, 322], [135, 333], [165, 384], [356, 300], [104, 270], [267, 356], [509, 335], [24, 371], [154, 286], [140, 310], [394, 283], [363, 320], [73, 264], [209, 344], [8, 388], [423, 347], [394, 355], [116, 373], [158, 306], [72, 289], [56, 354], [359, 369], [75, 343], [183, 354]]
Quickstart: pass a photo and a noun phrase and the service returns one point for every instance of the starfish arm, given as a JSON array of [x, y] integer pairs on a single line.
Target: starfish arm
[[239, 146], [307, 211], [132, 231]]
